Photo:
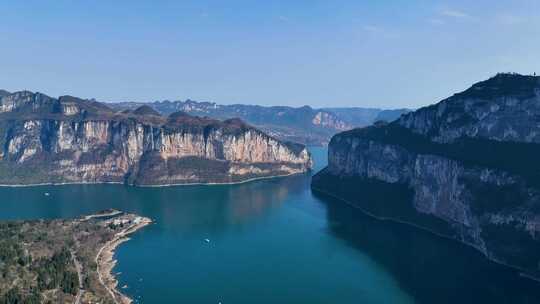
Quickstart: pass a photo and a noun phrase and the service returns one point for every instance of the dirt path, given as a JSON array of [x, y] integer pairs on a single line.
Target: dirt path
[[109, 290], [112, 213], [78, 267]]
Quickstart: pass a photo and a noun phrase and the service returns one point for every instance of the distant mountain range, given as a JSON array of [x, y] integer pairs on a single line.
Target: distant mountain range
[[304, 125]]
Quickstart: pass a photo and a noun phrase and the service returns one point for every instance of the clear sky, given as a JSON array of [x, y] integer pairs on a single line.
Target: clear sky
[[321, 53]]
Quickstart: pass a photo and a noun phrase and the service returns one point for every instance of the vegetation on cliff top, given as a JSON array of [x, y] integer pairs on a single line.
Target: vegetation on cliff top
[[40, 106], [513, 157], [503, 84]]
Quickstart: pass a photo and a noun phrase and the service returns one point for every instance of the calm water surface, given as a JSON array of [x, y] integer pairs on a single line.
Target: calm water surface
[[273, 241]]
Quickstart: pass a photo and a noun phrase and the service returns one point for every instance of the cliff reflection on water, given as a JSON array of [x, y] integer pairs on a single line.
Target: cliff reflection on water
[[238, 204], [173, 206], [429, 268]]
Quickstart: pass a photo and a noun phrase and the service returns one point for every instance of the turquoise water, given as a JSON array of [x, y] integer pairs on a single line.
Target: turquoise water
[[273, 241]]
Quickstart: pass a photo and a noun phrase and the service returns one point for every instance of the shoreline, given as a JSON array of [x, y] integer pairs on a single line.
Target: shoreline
[[105, 261], [519, 271], [150, 185]]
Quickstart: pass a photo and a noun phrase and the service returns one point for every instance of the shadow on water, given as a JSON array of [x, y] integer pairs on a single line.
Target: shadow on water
[[172, 206], [429, 268]]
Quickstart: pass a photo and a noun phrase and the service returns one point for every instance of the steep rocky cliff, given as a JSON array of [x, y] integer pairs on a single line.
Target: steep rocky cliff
[[70, 140], [465, 168]]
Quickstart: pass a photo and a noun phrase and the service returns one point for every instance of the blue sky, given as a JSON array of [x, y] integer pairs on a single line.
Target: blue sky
[[322, 53]]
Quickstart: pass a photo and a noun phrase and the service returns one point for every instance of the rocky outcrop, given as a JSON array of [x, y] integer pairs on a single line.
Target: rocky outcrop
[[329, 120], [70, 140], [465, 168]]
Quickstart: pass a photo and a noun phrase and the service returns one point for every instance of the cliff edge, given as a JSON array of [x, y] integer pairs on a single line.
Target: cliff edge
[[72, 140], [465, 168]]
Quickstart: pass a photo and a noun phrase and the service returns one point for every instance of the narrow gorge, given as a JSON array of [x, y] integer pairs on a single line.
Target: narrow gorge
[[465, 168], [71, 140]]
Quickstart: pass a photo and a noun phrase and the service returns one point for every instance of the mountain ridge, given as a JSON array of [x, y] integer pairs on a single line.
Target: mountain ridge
[[304, 124]]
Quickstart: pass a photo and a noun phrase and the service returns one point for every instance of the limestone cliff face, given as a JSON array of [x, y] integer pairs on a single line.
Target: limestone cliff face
[[469, 163], [48, 140], [504, 108], [329, 120]]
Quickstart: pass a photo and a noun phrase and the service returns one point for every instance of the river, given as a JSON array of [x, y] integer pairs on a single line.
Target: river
[[273, 241]]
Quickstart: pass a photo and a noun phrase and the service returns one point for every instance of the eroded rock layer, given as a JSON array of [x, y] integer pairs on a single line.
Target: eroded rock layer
[[70, 140]]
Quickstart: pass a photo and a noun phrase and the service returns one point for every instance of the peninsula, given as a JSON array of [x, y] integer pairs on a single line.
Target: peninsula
[[64, 261]]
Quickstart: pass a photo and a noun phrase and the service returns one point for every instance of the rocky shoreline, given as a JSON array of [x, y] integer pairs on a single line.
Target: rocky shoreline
[[319, 191], [105, 261], [153, 186]]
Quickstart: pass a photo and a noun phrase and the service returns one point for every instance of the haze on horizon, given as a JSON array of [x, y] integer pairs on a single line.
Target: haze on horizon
[[321, 53]]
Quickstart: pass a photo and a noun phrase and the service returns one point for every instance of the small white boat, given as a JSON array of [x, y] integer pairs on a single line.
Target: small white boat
[[207, 240], [47, 194]]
